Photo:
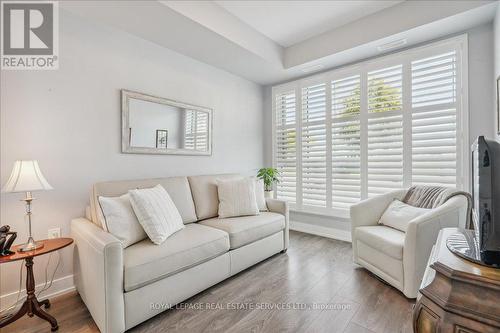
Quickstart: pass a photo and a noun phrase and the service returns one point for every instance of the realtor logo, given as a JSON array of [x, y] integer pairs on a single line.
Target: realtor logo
[[29, 35]]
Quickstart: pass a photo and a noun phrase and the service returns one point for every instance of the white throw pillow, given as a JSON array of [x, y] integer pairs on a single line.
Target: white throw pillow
[[156, 212], [259, 195], [399, 214], [237, 197], [120, 219]]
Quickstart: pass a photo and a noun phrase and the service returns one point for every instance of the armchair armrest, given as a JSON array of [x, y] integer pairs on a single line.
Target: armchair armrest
[[281, 207], [369, 211], [98, 273], [421, 235]]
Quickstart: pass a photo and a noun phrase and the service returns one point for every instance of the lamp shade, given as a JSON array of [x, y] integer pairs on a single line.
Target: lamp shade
[[26, 177]]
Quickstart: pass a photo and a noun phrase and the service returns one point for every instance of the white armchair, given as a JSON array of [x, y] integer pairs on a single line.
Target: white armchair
[[397, 257]]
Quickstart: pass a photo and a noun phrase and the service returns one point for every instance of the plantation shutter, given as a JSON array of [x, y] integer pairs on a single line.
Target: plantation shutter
[[346, 158], [370, 128], [314, 145], [285, 145], [434, 139], [385, 130]]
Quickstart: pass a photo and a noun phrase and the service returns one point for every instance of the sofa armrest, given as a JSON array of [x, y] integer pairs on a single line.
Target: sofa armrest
[[98, 273], [281, 207], [421, 235]]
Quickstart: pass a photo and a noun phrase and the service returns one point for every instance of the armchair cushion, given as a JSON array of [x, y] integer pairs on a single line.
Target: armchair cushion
[[399, 214], [385, 239], [145, 262]]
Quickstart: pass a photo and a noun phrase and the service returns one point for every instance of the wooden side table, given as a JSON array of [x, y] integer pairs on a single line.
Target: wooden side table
[[457, 295], [32, 306]]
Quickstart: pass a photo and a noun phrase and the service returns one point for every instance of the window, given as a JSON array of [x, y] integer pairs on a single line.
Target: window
[[285, 142], [314, 145], [356, 132], [346, 151], [385, 129]]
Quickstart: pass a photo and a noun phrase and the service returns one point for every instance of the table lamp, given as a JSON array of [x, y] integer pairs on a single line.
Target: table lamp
[[27, 177]]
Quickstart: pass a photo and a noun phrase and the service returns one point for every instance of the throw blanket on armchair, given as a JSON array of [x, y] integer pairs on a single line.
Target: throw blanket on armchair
[[434, 196]]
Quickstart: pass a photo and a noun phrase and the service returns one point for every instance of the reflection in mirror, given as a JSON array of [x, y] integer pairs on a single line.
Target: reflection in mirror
[[157, 125]]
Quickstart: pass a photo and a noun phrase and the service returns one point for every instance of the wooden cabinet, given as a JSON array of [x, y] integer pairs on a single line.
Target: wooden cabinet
[[457, 295]]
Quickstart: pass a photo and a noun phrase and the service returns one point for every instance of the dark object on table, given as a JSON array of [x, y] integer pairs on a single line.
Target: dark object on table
[[486, 195], [6, 239]]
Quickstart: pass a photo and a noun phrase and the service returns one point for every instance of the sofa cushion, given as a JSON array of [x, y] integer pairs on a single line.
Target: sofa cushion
[[260, 195], [156, 212], [247, 229], [237, 197], [177, 187], [205, 197], [121, 220], [385, 239], [145, 262]]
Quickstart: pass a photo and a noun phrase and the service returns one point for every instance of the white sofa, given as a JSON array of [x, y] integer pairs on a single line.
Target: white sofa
[[124, 287], [400, 258]]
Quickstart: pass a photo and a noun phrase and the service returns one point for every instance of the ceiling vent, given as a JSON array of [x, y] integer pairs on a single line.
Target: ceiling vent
[[311, 69], [392, 45]]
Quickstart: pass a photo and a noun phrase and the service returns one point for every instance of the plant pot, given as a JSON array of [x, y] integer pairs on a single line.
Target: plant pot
[[269, 194]]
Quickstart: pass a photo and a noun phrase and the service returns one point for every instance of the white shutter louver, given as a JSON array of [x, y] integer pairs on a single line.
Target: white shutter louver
[[434, 141], [314, 145], [385, 130], [285, 145], [346, 159]]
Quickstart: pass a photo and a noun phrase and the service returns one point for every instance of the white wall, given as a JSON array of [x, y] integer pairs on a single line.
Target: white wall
[[69, 119], [481, 83], [481, 101]]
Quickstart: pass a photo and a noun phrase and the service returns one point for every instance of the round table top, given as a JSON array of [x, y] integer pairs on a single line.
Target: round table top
[[49, 245]]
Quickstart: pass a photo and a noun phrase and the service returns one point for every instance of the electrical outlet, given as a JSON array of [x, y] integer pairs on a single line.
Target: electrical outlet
[[54, 233]]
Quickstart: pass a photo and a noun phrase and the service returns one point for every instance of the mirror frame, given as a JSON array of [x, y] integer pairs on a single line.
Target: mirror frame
[[128, 149]]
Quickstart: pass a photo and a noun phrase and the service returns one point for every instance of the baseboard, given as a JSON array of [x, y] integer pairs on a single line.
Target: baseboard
[[317, 230], [59, 286]]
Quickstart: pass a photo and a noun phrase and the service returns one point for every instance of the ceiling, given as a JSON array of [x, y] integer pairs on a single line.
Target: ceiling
[[250, 38], [291, 22]]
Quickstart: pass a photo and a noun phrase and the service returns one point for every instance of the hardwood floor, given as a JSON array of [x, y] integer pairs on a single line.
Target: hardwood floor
[[315, 271]]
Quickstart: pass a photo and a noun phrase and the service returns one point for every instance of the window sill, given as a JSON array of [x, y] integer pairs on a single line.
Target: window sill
[[341, 214]]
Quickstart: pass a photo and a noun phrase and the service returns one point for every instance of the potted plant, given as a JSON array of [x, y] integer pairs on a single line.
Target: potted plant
[[269, 176]]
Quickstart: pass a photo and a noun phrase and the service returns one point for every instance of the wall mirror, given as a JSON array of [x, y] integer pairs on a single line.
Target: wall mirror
[[155, 125]]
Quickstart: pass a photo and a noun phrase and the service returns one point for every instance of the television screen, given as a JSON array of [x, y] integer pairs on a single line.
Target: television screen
[[486, 197]]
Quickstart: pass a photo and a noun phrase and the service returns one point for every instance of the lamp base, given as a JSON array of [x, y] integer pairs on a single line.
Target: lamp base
[[31, 245]]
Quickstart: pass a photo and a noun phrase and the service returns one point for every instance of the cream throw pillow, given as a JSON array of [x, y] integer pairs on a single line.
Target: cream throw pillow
[[120, 219], [237, 197], [398, 215], [259, 195], [156, 213]]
